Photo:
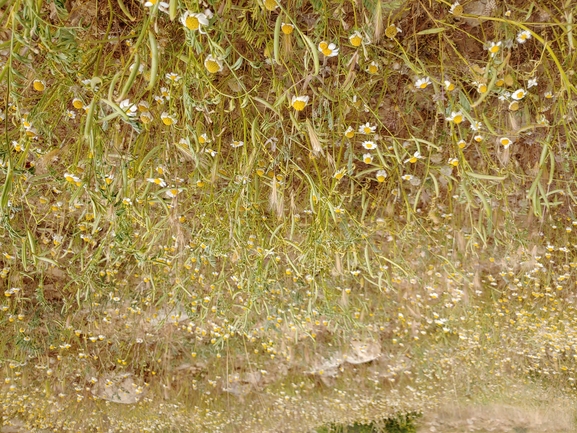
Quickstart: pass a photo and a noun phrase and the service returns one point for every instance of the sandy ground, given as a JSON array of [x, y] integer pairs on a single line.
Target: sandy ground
[[500, 418], [521, 409]]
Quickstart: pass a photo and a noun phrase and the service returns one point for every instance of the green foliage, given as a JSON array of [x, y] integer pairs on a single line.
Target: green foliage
[[399, 423], [402, 423]]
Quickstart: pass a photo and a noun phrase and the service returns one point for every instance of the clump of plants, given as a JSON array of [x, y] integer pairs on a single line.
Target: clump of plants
[[231, 215], [399, 423]]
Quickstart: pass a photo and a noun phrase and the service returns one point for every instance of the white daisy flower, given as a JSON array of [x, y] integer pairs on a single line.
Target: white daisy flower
[[476, 125], [163, 6], [413, 159], [422, 83], [494, 47], [356, 39], [367, 129], [71, 178], [455, 117], [193, 21], [350, 132], [212, 64], [173, 76], [299, 102], [523, 36], [157, 181], [129, 108], [505, 141], [168, 119], [173, 192], [369, 145], [328, 50], [518, 94], [455, 8], [140, 69]]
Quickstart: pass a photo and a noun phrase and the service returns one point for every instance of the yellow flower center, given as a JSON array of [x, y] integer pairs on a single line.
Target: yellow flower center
[[457, 10], [368, 159], [458, 118], [167, 120], [270, 5], [380, 178], [356, 40], [78, 104], [482, 88], [391, 31], [514, 106], [145, 117], [339, 175], [450, 87], [202, 139], [38, 86], [461, 144], [505, 141], [192, 23], [494, 49], [299, 105], [350, 134], [323, 46], [287, 29], [367, 130], [423, 85], [212, 66], [413, 159], [373, 69], [327, 52]]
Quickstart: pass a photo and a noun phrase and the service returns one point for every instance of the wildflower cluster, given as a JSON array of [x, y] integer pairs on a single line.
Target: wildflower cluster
[[260, 214]]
